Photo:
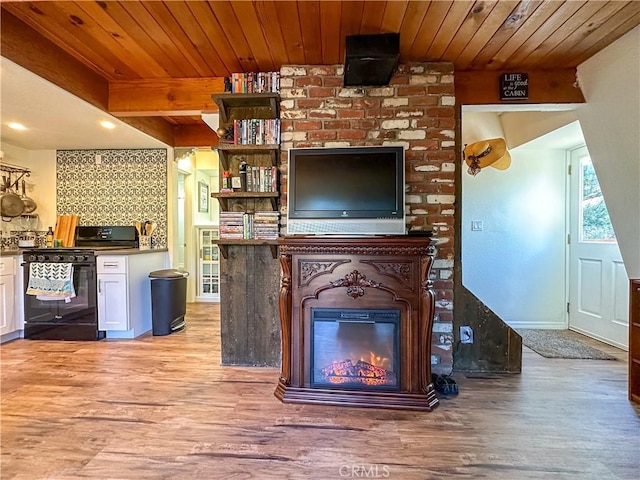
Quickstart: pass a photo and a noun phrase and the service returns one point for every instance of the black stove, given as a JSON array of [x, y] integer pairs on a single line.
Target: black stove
[[69, 317]]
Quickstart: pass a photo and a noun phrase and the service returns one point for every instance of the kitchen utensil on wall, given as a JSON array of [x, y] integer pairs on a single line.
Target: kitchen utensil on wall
[[28, 222], [11, 204], [29, 204]]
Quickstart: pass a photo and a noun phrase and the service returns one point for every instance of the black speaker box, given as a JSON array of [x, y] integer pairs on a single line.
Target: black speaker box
[[370, 59]]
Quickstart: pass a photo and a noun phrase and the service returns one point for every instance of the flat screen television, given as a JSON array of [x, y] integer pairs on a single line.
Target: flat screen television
[[346, 191]]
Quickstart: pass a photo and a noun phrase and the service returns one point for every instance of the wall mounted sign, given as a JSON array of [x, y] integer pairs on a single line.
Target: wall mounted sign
[[203, 197], [514, 86]]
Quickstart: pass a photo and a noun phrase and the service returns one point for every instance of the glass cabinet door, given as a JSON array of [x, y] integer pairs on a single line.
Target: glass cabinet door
[[208, 266]]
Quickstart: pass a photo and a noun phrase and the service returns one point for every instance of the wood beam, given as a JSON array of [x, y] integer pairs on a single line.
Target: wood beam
[[545, 86], [164, 97], [155, 127], [29, 49], [194, 136]]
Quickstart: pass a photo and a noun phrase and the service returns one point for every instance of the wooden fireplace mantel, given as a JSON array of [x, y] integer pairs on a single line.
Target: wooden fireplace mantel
[[357, 273]]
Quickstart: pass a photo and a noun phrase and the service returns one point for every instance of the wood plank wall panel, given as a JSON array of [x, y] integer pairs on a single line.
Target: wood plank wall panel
[[76, 41], [452, 20], [197, 32], [371, 20], [221, 46], [255, 35], [555, 21], [166, 21], [512, 25], [431, 25], [267, 15], [111, 43], [522, 34], [490, 26], [352, 17], [51, 62], [123, 35], [415, 15], [290, 20], [163, 40], [578, 35], [309, 13], [225, 23], [156, 39], [561, 36], [472, 23], [249, 322], [393, 16], [620, 23], [330, 27]]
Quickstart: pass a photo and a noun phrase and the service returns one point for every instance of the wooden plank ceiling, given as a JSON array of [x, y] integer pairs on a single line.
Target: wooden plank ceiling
[[159, 61]]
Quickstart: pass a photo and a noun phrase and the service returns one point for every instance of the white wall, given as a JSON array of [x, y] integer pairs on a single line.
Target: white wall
[[40, 185], [516, 264], [522, 127], [610, 120]]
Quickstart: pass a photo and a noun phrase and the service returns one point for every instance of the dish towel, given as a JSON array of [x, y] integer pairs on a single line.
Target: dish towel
[[53, 280]]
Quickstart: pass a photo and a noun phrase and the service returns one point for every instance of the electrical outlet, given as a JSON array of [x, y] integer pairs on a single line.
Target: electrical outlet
[[466, 334], [477, 225]]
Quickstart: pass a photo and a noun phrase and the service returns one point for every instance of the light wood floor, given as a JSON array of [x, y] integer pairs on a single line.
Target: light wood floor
[[163, 408]]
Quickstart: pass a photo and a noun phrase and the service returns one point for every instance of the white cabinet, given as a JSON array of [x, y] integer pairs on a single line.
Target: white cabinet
[[208, 266], [7, 295], [124, 292], [113, 311]]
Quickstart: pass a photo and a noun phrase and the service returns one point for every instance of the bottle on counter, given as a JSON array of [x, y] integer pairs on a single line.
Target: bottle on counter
[[49, 238]]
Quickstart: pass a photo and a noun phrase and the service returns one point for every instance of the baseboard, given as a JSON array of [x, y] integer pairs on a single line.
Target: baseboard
[[538, 325]]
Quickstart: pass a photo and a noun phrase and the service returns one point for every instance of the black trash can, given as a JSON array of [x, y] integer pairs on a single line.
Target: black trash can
[[168, 301]]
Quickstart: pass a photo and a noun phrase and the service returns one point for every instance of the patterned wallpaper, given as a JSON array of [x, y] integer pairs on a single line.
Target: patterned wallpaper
[[120, 188]]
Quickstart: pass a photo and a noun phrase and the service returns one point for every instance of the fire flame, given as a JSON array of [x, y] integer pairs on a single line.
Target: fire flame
[[362, 372]]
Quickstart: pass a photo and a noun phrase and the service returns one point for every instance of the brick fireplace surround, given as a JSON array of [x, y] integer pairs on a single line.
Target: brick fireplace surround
[[416, 110]]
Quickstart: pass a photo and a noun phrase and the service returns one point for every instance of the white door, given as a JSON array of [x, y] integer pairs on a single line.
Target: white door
[[598, 282]]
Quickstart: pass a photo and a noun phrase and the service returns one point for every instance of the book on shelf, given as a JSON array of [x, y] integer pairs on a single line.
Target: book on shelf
[[258, 178], [249, 225], [253, 82], [256, 131]]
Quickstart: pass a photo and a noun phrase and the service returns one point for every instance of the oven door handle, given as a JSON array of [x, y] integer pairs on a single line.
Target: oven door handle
[[81, 264]]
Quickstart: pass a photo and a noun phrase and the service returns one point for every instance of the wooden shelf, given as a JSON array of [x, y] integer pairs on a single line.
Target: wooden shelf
[[225, 150], [225, 101], [223, 243], [223, 197]]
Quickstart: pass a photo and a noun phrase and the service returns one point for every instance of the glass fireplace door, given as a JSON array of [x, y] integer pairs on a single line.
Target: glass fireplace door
[[355, 348]]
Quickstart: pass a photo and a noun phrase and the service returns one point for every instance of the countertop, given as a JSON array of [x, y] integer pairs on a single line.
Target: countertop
[[122, 251]]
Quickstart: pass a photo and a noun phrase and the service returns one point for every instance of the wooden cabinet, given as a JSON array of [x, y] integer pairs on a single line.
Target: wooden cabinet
[[208, 265], [7, 295], [634, 341], [249, 271], [124, 293]]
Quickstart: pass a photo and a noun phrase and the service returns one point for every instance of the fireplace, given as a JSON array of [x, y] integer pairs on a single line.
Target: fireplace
[[354, 348], [356, 317]]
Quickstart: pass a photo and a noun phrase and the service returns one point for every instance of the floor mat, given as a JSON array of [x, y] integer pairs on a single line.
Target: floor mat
[[560, 344]]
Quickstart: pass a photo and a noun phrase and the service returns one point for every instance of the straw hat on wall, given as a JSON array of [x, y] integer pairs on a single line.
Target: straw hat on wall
[[487, 153]]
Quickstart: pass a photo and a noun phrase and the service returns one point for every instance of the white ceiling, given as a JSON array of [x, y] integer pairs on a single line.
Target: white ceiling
[[55, 119]]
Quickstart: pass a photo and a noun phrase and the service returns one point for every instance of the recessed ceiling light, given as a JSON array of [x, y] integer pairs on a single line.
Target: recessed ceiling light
[[17, 126], [107, 124]]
